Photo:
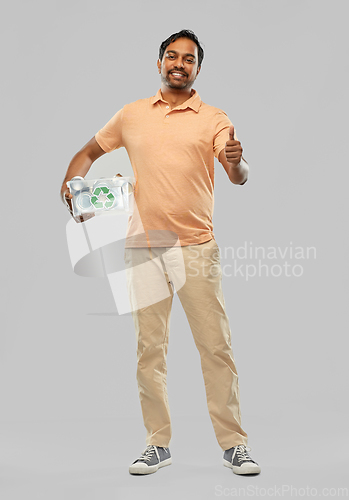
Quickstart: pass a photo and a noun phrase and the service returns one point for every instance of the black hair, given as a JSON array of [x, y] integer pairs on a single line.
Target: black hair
[[182, 34]]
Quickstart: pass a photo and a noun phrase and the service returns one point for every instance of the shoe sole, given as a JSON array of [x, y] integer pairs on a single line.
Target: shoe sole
[[149, 469], [239, 470]]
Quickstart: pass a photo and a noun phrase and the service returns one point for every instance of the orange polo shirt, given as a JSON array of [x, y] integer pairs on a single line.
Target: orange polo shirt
[[172, 155]]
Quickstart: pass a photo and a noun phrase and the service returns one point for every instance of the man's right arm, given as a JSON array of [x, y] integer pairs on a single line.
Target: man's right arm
[[80, 165]]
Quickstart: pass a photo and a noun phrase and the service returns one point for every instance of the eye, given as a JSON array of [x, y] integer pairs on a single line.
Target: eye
[[190, 60]]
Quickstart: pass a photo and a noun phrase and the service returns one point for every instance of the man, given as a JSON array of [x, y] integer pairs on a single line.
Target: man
[[171, 139]]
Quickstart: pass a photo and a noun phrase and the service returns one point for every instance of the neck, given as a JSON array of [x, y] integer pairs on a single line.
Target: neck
[[176, 97]]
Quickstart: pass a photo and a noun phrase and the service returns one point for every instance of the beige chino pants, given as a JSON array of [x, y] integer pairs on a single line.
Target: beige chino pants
[[202, 299]]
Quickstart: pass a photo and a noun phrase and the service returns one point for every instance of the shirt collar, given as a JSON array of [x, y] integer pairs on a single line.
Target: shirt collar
[[194, 102]]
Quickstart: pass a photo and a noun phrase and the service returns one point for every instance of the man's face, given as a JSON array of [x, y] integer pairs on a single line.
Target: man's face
[[179, 65]]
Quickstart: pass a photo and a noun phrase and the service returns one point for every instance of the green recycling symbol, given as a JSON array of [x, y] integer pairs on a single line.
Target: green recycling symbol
[[101, 199]]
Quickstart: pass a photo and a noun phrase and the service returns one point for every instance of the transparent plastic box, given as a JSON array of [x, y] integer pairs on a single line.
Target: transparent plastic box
[[102, 196]]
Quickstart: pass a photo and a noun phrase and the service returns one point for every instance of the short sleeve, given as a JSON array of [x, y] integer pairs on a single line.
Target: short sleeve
[[110, 136], [221, 132]]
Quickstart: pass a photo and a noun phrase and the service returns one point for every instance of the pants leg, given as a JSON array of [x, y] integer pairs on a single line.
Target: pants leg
[[152, 323], [203, 302]]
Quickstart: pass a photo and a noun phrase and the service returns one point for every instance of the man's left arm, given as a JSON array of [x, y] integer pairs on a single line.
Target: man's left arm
[[232, 160]]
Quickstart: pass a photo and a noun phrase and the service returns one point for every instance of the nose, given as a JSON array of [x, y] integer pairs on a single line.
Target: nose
[[179, 63]]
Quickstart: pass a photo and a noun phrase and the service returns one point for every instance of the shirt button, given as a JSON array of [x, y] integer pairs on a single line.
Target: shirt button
[[167, 116], [167, 107]]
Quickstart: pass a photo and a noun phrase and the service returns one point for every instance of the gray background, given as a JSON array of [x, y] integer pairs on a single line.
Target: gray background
[[70, 419]]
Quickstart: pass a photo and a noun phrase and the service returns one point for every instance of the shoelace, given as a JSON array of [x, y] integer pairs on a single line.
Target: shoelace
[[148, 453], [242, 453]]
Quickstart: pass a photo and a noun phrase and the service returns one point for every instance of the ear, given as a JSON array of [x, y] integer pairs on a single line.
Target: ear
[[198, 71], [159, 65]]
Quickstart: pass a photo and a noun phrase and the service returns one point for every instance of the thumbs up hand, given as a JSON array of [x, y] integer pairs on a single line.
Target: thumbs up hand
[[233, 149]]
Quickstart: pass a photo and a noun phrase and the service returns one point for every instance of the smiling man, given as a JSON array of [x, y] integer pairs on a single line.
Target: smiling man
[[172, 139]]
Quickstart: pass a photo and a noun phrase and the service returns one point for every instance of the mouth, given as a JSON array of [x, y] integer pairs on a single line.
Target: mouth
[[177, 74]]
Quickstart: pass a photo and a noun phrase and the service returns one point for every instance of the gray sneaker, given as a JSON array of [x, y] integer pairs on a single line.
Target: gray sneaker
[[238, 459], [152, 458]]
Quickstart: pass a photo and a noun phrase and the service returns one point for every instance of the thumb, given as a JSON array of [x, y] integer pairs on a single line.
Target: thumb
[[231, 132]]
